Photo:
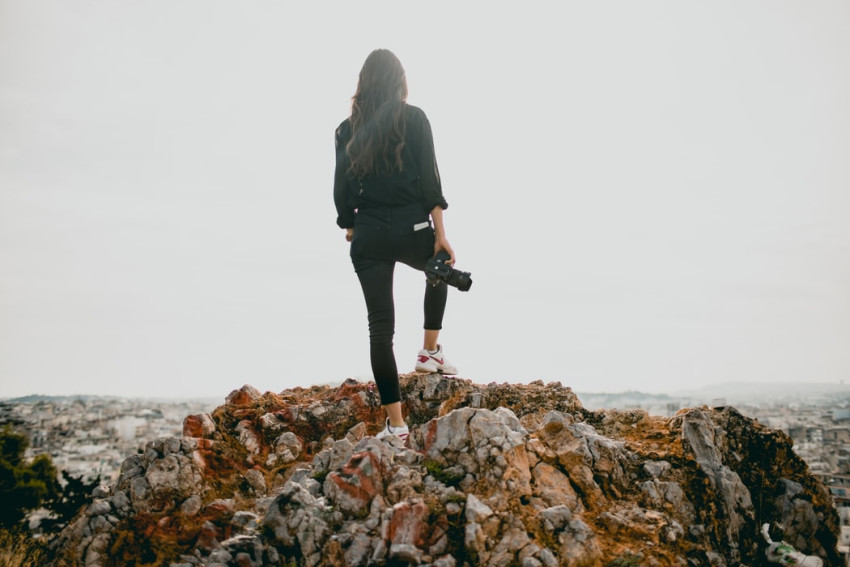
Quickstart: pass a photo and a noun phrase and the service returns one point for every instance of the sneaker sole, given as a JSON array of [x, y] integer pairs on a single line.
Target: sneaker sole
[[435, 371]]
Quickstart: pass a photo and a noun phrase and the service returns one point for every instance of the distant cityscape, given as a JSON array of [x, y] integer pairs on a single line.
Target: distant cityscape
[[90, 436]]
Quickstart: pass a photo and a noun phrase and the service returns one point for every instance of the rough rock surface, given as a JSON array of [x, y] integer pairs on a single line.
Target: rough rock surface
[[493, 474]]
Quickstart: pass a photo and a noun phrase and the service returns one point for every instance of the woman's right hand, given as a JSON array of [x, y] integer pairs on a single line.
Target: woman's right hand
[[440, 240], [443, 244], [349, 234]]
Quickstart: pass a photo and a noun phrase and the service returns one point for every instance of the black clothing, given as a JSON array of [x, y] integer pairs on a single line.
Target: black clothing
[[390, 214], [401, 234], [417, 182], [382, 237]]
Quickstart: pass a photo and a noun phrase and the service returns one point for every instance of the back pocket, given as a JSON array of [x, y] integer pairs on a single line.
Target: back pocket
[[369, 241], [417, 246]]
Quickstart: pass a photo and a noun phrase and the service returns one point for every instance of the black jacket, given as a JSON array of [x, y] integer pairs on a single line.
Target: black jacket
[[418, 180]]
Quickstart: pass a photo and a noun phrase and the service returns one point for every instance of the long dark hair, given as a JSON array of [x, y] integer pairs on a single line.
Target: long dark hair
[[377, 116]]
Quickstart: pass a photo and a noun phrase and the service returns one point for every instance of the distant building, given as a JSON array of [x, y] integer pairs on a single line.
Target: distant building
[[797, 432], [835, 435], [844, 542]]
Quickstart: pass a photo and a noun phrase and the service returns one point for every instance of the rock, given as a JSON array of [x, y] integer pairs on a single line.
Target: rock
[[358, 551], [700, 436], [243, 396], [271, 422], [257, 481], [220, 507], [579, 544], [199, 425], [220, 556], [244, 521], [487, 446], [98, 507], [340, 453], [553, 487], [287, 447], [120, 502], [556, 518], [248, 437], [101, 491], [406, 553], [656, 468], [297, 519], [246, 549], [474, 539], [191, 506], [208, 537], [409, 524], [357, 432], [797, 510], [476, 511], [666, 496], [354, 487], [495, 474]]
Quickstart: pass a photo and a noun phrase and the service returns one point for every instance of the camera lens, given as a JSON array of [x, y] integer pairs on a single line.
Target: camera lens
[[462, 280]]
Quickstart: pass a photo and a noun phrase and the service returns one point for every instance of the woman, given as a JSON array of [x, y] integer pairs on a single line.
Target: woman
[[387, 193]]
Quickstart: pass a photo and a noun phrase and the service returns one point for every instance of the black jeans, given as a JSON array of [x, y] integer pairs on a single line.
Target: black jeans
[[382, 237]]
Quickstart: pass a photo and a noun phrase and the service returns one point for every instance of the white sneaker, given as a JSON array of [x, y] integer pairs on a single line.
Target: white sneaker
[[401, 432], [428, 361]]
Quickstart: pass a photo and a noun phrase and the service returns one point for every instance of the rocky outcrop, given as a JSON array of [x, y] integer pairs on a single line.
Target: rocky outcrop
[[494, 474]]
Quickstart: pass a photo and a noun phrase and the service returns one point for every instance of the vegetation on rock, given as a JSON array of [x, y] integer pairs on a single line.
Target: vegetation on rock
[[29, 485]]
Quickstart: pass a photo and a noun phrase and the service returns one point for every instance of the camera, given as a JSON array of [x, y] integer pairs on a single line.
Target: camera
[[436, 270]]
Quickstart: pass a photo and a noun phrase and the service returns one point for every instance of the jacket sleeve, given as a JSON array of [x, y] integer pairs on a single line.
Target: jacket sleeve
[[342, 189], [429, 174]]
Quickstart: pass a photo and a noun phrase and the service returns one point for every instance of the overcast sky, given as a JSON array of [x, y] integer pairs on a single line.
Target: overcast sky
[[649, 195]]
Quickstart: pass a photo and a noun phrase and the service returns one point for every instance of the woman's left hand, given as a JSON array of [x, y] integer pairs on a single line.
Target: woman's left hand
[[349, 234], [443, 244]]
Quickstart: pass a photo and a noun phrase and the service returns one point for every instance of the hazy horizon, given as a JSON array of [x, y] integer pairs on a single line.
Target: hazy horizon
[[750, 388], [648, 195]]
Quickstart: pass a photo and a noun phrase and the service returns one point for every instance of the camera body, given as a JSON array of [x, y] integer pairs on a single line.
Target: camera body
[[436, 270]]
